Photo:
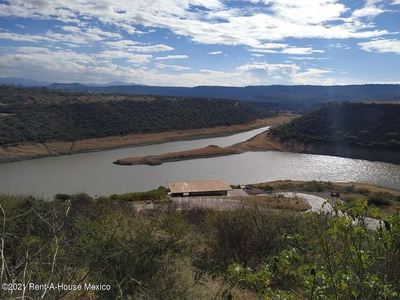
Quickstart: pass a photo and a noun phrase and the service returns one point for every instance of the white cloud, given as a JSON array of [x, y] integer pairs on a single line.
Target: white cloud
[[132, 58], [370, 10], [307, 58], [71, 29], [150, 49], [284, 70], [171, 57], [215, 52], [24, 37], [301, 50], [314, 76], [270, 46], [215, 23], [174, 67], [267, 28], [286, 49], [287, 73], [68, 66], [381, 46], [32, 50], [121, 44], [307, 12], [134, 46], [99, 32]]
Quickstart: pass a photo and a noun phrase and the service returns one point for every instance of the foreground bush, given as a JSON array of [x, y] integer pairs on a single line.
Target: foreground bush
[[248, 253]]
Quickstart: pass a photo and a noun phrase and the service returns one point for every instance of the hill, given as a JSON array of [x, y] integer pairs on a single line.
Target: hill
[[36, 115], [301, 96], [22, 82], [350, 127], [276, 97]]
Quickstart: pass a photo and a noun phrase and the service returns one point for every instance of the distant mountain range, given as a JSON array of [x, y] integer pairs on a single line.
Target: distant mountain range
[[271, 97], [22, 82], [33, 83]]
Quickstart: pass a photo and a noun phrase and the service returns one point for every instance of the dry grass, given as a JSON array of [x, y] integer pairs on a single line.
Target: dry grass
[[292, 185], [277, 202]]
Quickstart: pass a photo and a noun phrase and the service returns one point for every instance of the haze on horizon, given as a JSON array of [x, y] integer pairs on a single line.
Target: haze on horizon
[[201, 42]]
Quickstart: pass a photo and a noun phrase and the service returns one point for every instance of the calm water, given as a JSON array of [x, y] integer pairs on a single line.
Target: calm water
[[95, 174]]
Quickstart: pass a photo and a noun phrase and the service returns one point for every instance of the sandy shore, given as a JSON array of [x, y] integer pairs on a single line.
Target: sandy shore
[[25, 151], [262, 142], [152, 160]]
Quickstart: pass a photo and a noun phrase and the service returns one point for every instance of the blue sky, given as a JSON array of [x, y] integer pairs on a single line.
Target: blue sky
[[201, 42]]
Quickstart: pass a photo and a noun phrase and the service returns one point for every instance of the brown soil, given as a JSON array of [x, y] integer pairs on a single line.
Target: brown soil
[[209, 151], [30, 150], [276, 202], [260, 142]]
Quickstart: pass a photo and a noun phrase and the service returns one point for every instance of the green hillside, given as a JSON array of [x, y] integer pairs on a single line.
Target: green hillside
[[372, 126], [39, 115]]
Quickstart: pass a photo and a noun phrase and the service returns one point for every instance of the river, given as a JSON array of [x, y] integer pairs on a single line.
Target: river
[[95, 174]]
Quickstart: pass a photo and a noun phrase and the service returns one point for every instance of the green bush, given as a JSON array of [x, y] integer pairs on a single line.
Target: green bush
[[349, 189], [315, 186], [153, 195], [379, 199], [248, 253], [363, 191], [334, 124]]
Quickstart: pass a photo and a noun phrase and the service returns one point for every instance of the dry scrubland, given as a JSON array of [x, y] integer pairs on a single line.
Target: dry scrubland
[[253, 252]]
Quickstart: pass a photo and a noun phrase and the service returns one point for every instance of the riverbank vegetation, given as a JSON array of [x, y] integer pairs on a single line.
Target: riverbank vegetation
[[39, 115], [344, 124], [164, 253]]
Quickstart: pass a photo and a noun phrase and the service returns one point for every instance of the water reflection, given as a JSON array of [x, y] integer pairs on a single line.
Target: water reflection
[[95, 174]]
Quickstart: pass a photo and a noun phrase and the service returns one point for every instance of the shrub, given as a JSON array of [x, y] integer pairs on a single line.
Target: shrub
[[153, 195], [62, 197], [379, 199], [363, 191], [349, 189], [315, 186]]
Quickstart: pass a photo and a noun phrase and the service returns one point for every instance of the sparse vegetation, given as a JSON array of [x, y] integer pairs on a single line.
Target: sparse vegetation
[[386, 200], [248, 253], [276, 202], [160, 194]]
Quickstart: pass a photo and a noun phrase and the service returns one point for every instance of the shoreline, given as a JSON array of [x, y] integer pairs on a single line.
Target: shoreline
[[261, 142], [155, 160], [29, 151]]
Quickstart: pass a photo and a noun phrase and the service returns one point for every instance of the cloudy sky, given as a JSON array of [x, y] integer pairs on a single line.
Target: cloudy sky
[[201, 42]]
